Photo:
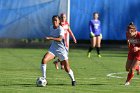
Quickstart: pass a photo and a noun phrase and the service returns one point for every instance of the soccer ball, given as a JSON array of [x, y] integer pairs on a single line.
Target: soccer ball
[[41, 82]]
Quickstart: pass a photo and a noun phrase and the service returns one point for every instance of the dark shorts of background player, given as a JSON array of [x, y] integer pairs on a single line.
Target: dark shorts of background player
[[94, 36]]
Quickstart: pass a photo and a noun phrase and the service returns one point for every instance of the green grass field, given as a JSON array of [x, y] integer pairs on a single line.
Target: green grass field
[[19, 69]]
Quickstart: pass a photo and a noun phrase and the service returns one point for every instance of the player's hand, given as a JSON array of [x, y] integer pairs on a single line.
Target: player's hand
[[92, 34], [48, 38], [136, 49], [75, 41]]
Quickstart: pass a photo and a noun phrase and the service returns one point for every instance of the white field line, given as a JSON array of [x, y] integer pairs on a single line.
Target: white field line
[[116, 75]]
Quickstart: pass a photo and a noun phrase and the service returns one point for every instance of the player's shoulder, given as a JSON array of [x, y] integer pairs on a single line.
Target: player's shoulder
[[91, 21], [60, 28], [138, 33]]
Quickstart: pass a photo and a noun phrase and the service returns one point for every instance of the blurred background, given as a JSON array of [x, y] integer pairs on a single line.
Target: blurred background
[[28, 21]]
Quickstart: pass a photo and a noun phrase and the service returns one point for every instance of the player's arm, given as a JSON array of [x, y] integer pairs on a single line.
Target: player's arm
[[55, 39], [72, 35], [90, 28], [136, 49]]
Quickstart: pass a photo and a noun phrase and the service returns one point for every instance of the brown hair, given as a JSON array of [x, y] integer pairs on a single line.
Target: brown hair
[[95, 13], [131, 26]]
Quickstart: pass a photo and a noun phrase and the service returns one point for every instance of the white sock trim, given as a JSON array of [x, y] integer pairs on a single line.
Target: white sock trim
[[43, 69]]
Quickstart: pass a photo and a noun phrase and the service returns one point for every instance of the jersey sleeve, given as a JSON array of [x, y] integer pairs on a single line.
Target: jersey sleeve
[[90, 26]]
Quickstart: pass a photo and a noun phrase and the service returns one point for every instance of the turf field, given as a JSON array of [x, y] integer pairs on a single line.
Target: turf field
[[19, 69]]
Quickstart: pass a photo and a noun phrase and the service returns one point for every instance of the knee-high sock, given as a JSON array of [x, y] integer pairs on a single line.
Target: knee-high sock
[[71, 75], [98, 50], [43, 69], [90, 49], [129, 77]]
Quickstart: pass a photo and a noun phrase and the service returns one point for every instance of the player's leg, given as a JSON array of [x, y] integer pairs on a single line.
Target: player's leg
[[134, 64], [56, 63], [130, 74], [138, 69], [69, 71], [62, 65], [98, 45], [47, 57], [128, 65], [63, 57], [92, 41]]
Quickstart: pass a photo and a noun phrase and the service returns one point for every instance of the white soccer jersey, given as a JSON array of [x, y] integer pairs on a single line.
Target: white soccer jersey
[[58, 48]]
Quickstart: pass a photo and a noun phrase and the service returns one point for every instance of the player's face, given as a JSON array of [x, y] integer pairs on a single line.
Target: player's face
[[63, 18], [132, 32], [55, 22], [96, 16]]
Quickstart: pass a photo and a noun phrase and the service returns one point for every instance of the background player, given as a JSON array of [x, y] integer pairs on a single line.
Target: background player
[[68, 32], [95, 34], [57, 49], [133, 59]]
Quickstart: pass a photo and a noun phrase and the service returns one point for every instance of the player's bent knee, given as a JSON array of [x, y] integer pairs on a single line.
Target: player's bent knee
[[44, 60]]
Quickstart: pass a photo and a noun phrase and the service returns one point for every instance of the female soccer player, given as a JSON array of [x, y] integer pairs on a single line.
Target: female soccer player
[[68, 31], [133, 59], [57, 49], [95, 34]]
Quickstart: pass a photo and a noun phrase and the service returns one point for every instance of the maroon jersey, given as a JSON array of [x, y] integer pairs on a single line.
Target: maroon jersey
[[133, 41]]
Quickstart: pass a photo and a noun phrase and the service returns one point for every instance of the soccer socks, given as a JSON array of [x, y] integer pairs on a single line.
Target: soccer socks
[[43, 69], [71, 75], [98, 50], [90, 49], [129, 77]]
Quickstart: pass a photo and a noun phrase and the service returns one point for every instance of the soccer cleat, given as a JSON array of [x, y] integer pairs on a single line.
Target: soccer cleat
[[56, 64], [99, 55], [127, 83], [89, 54], [73, 83]]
